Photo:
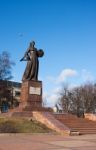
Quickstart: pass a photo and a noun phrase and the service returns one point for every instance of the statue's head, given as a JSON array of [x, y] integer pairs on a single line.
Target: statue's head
[[32, 44]]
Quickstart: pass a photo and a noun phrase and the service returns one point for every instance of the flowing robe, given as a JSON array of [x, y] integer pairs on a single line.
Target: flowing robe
[[32, 67]]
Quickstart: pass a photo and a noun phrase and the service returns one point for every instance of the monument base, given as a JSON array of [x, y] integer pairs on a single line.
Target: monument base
[[31, 99], [31, 95]]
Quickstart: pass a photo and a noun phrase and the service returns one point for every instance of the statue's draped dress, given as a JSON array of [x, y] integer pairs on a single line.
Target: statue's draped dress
[[31, 71]]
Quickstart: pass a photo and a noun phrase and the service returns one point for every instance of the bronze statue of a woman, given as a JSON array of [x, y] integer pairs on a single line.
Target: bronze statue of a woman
[[31, 56]]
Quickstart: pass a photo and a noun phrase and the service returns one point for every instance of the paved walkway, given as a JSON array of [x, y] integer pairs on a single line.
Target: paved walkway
[[46, 142]]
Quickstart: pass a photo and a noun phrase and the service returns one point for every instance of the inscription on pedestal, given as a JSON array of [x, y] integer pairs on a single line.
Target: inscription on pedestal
[[31, 94], [35, 90]]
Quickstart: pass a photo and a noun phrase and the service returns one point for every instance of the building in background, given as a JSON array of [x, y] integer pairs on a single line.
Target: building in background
[[10, 92]]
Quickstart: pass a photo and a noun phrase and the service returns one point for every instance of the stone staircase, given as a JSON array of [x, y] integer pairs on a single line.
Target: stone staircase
[[51, 122], [83, 126]]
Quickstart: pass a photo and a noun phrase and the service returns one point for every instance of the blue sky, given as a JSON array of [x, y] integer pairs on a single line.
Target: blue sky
[[64, 29]]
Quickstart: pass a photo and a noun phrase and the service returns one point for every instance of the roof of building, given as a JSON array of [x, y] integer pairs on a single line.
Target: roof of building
[[10, 83]]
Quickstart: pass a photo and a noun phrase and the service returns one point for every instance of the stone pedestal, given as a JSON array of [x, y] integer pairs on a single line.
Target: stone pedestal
[[31, 95]]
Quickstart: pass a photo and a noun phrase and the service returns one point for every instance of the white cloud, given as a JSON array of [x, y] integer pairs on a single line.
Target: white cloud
[[52, 99], [66, 73], [45, 95], [63, 76], [52, 96]]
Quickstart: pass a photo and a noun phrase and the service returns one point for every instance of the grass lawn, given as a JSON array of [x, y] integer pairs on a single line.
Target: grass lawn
[[15, 125]]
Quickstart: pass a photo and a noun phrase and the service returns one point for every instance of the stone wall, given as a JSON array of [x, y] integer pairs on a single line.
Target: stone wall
[[90, 116]]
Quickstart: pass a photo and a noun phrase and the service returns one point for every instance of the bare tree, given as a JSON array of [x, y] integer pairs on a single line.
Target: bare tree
[[5, 66], [5, 74], [64, 100], [79, 100], [89, 97]]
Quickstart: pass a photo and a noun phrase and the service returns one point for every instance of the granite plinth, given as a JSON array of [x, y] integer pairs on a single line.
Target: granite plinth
[[31, 95]]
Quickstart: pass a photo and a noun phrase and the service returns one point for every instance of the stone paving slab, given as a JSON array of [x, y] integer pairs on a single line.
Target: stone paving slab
[[72, 144], [85, 148], [46, 142]]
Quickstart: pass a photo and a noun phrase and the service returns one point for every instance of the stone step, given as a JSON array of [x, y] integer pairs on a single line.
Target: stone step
[[79, 124], [31, 108], [22, 114]]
